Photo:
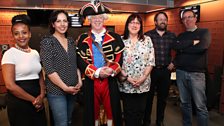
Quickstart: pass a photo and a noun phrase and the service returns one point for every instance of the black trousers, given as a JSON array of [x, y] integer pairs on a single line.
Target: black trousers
[[160, 84], [134, 108], [21, 112]]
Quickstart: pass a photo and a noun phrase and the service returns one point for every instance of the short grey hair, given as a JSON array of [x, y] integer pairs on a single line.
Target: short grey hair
[[105, 16]]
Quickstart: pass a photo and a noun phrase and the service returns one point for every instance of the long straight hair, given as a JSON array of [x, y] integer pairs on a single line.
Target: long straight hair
[[140, 32]]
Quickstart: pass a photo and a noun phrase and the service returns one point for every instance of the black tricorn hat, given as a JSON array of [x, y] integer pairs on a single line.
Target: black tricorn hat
[[91, 9]]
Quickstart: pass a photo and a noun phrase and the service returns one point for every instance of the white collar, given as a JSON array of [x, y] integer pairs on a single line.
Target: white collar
[[98, 36], [101, 33]]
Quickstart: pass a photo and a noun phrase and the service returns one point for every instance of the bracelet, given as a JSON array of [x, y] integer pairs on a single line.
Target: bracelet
[[126, 77], [122, 78], [34, 102], [113, 74]]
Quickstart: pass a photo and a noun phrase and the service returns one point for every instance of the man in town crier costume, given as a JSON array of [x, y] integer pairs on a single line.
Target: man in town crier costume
[[100, 59]]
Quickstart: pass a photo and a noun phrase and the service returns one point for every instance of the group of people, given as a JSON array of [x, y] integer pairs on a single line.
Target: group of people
[[110, 68]]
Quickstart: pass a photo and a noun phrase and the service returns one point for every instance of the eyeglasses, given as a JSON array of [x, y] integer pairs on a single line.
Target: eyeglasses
[[97, 17], [135, 23], [188, 17]]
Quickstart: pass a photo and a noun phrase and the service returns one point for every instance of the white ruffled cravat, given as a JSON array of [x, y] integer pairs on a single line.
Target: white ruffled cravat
[[98, 36]]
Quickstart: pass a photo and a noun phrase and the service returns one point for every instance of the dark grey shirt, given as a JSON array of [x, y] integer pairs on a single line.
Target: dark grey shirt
[[190, 57], [55, 59]]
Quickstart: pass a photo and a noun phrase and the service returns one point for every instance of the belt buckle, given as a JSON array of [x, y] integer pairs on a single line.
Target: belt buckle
[[158, 67]]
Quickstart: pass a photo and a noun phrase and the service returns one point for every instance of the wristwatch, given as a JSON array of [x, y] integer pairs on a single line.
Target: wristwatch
[[126, 77], [113, 74]]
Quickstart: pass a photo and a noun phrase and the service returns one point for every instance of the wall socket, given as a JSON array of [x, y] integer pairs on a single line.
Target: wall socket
[[4, 47]]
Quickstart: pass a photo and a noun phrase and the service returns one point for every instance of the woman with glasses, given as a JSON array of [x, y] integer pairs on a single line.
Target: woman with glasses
[[138, 61]]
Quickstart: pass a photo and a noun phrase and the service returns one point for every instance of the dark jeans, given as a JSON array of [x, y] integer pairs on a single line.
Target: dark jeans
[[160, 83], [134, 108]]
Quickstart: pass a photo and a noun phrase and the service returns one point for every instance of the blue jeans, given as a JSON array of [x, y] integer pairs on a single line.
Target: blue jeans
[[62, 107], [191, 86]]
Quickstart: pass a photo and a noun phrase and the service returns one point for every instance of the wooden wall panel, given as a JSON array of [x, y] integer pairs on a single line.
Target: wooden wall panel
[[212, 18], [2, 85]]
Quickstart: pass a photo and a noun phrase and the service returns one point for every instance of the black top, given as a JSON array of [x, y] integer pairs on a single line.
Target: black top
[[189, 57], [55, 59], [162, 46]]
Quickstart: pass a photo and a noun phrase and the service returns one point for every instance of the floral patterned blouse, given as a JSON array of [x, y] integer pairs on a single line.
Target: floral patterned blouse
[[135, 59]]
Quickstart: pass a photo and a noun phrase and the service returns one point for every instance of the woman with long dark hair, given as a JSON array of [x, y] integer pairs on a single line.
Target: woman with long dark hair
[[138, 61], [63, 80]]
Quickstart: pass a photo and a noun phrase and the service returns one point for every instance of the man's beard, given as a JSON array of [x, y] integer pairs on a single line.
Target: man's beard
[[161, 28]]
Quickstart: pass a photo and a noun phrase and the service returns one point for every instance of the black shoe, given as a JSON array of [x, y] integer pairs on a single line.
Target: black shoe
[[160, 124], [146, 124]]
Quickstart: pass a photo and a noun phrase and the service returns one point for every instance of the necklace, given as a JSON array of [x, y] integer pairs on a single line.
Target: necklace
[[24, 50]]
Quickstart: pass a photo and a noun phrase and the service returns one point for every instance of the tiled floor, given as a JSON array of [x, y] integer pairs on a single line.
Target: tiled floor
[[172, 116]]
